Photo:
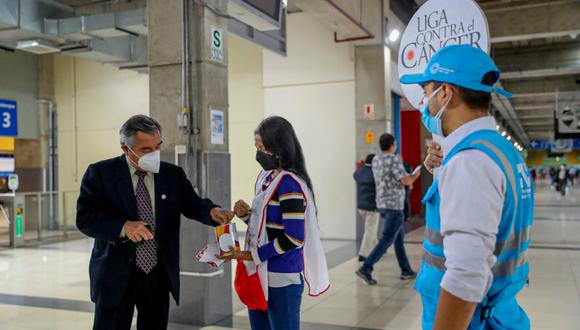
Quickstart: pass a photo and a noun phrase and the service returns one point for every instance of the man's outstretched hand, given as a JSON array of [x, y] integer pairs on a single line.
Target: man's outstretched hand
[[221, 216]]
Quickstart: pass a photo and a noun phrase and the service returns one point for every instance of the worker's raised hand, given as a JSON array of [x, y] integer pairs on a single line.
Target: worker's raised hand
[[434, 156]]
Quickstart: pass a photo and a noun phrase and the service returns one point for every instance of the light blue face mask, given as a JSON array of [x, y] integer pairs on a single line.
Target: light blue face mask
[[433, 123]]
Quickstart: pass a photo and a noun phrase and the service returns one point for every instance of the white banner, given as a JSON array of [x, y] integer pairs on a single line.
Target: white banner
[[439, 23]]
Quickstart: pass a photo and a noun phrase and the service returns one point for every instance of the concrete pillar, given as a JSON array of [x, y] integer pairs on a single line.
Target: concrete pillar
[[372, 89], [372, 79], [205, 292]]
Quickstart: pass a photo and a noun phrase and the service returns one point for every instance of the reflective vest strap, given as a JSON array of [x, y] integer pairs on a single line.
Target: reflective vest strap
[[434, 237], [508, 267], [515, 241], [503, 268], [434, 261], [507, 166]]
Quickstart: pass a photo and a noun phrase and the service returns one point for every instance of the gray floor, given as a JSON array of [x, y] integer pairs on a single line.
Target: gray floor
[[47, 287]]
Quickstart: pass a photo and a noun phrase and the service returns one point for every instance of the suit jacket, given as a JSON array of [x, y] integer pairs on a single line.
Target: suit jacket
[[107, 201]]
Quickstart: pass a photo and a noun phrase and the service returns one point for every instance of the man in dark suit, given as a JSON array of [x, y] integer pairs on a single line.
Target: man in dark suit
[[132, 205]]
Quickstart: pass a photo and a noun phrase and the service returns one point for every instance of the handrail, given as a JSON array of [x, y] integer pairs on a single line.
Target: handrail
[[51, 195], [40, 193]]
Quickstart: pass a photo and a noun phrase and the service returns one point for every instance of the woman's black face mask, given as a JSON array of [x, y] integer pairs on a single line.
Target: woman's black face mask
[[268, 162]]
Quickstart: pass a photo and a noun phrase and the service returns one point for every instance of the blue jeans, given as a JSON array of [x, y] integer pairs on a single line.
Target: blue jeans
[[283, 310], [393, 231]]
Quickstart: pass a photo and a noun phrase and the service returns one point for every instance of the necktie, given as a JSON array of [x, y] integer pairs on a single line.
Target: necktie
[[146, 252]]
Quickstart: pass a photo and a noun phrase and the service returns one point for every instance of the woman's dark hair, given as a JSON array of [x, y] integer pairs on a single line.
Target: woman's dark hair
[[369, 159], [279, 138]]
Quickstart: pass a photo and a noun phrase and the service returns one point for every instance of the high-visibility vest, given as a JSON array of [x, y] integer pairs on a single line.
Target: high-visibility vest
[[499, 309]]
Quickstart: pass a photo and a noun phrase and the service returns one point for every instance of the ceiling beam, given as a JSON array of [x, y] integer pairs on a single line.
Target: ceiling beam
[[543, 61], [547, 96], [543, 20], [537, 121], [532, 117], [547, 106], [539, 73], [538, 125], [562, 84]]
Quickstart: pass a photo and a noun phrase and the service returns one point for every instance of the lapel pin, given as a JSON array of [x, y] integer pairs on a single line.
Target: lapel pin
[[163, 196]]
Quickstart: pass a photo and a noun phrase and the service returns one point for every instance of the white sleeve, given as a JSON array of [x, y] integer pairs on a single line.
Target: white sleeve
[[472, 189]]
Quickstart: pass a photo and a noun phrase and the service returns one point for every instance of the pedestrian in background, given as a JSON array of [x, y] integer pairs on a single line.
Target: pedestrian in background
[[390, 179], [367, 206]]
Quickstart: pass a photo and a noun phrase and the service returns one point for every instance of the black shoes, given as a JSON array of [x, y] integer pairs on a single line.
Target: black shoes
[[408, 275], [361, 259], [366, 276]]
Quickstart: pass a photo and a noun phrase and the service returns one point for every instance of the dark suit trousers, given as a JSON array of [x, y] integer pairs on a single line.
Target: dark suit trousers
[[149, 293]]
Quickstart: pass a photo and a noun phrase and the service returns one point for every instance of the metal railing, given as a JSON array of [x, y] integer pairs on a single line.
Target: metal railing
[[50, 215]]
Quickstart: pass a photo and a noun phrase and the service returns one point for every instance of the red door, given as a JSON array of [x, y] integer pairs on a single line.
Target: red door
[[410, 145]]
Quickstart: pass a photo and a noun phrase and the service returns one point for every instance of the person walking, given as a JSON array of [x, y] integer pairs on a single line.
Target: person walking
[[367, 206], [390, 180], [562, 179]]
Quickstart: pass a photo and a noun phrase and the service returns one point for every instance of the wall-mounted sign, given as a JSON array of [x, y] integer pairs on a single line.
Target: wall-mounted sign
[[561, 145], [369, 112], [217, 126], [217, 45], [8, 118], [439, 23], [569, 121], [370, 137]]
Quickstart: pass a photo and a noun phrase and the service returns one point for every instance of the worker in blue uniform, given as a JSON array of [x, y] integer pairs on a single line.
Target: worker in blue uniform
[[480, 206]]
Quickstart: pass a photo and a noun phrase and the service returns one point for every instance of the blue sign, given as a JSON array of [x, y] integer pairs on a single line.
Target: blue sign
[[8, 118], [549, 144], [540, 145]]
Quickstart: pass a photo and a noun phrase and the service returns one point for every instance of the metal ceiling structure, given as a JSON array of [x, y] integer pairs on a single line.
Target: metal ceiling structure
[[536, 45], [47, 26]]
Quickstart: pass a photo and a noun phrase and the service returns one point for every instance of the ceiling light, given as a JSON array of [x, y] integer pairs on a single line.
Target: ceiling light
[[503, 133], [509, 138], [394, 35], [497, 127]]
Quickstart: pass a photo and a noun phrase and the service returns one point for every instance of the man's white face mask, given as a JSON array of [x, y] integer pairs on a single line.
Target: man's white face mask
[[149, 162]]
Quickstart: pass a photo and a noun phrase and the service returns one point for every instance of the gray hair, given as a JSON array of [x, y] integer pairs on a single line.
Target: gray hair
[[138, 123]]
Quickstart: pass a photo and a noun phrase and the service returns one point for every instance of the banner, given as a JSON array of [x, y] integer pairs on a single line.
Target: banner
[[439, 23]]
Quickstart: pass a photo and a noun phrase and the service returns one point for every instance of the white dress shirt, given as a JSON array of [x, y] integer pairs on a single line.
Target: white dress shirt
[[472, 189]]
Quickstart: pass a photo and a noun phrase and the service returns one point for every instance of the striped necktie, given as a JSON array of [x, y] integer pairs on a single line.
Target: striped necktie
[[146, 252]]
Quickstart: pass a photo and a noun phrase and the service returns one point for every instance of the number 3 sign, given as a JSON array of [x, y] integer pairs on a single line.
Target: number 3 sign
[[8, 118]]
